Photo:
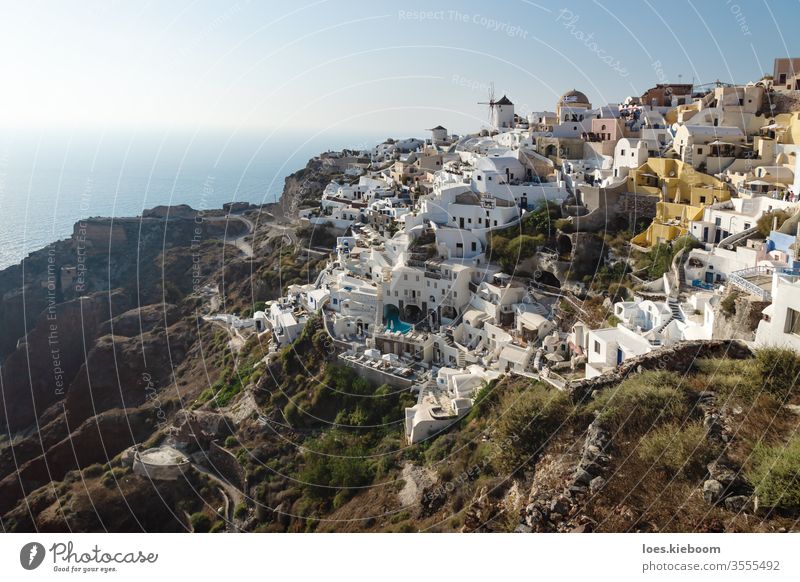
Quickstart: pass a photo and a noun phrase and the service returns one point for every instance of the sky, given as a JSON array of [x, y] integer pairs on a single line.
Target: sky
[[354, 66]]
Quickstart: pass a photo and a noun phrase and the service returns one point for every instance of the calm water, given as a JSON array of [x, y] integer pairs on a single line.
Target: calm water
[[48, 181]]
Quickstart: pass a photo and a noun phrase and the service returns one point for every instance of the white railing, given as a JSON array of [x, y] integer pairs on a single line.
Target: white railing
[[739, 279]]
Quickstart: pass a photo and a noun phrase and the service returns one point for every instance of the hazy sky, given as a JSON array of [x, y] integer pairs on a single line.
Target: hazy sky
[[402, 66]]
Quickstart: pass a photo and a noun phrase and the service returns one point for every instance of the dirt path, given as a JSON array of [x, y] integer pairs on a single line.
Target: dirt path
[[416, 479]]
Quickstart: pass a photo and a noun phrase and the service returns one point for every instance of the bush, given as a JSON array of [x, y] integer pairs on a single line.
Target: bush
[[240, 511], [231, 442], [737, 379], [765, 223], [776, 475], [642, 401], [778, 370], [728, 303], [335, 462], [528, 420], [112, 477], [201, 523], [677, 450], [565, 225], [93, 470]]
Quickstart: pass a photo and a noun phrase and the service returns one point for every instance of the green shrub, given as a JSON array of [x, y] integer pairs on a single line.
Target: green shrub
[[528, 420], [641, 401], [776, 475], [334, 462], [765, 223], [728, 303], [201, 523], [240, 511], [112, 477], [565, 225], [739, 379], [677, 450], [231, 442], [93, 470], [778, 370]]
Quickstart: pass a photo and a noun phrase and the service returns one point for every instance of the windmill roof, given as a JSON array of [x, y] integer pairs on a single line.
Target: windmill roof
[[503, 101]]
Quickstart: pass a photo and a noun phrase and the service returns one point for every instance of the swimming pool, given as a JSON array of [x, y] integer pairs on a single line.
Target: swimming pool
[[394, 323]]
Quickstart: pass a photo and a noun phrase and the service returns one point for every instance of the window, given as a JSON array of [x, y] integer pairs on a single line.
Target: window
[[792, 322], [479, 178], [596, 347], [702, 199], [622, 152], [746, 225], [474, 246], [700, 151]]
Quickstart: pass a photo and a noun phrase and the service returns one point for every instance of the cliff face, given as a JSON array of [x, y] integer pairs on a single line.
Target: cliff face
[[102, 344], [93, 360], [39, 372], [304, 188]]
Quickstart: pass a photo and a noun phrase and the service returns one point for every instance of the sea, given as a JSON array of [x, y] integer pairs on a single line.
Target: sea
[[50, 179]]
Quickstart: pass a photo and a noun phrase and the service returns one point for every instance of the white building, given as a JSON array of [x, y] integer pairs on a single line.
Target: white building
[[502, 112], [444, 401], [608, 348], [780, 326]]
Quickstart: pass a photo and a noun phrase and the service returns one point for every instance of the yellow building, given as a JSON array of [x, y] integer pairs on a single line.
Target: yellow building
[[683, 193]]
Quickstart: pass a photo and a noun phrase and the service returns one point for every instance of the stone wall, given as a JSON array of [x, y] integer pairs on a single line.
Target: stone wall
[[377, 376], [678, 358], [635, 207]]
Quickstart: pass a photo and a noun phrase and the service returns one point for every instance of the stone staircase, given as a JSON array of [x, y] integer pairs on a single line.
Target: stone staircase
[[675, 308]]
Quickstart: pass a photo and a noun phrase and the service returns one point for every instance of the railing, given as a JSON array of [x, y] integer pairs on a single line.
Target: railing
[[739, 279]]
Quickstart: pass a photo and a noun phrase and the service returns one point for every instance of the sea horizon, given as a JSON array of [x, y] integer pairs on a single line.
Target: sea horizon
[[49, 180]]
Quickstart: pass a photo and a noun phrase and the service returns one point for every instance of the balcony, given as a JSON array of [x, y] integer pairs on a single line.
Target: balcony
[[756, 281]]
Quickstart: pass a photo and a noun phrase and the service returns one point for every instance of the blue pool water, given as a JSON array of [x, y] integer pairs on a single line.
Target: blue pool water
[[394, 323]]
